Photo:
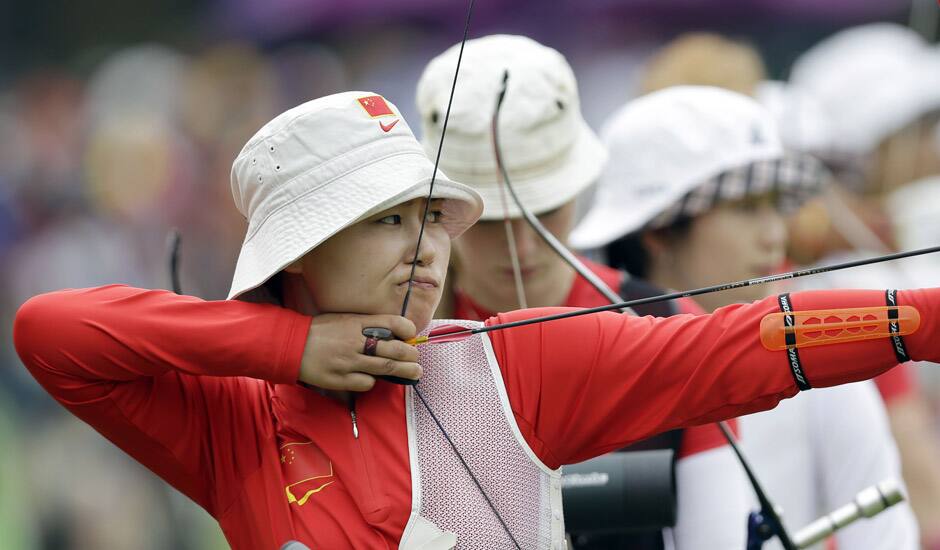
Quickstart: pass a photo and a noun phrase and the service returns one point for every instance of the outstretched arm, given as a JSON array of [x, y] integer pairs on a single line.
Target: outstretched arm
[[584, 386], [176, 382]]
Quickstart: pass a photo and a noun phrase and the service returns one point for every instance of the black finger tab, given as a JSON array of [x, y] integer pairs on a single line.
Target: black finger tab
[[382, 333], [379, 333]]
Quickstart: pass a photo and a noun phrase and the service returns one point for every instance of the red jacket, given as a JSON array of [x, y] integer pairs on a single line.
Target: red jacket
[[203, 394], [696, 439]]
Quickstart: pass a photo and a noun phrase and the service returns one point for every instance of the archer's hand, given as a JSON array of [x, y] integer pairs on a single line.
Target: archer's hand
[[334, 360]]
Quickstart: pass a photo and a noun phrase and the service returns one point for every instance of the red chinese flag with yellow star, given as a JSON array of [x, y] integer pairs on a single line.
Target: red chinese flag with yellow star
[[376, 106]]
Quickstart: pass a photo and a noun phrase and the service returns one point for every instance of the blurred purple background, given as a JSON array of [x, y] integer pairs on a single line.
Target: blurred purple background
[[119, 120]]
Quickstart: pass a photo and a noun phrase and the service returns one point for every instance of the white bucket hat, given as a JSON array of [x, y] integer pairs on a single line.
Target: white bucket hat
[[871, 81], [932, 66], [679, 150], [321, 167], [917, 215], [801, 119], [549, 151]]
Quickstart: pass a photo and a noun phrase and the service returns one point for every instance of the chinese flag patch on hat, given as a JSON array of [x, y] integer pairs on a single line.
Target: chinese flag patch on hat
[[376, 106]]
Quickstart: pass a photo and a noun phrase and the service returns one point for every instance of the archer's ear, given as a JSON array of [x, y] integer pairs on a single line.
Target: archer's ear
[[295, 268]]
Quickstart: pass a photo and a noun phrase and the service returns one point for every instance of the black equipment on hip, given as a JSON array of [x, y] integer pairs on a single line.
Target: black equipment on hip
[[620, 498], [625, 499]]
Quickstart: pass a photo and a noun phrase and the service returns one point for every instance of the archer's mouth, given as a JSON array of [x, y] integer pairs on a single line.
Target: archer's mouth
[[424, 283]]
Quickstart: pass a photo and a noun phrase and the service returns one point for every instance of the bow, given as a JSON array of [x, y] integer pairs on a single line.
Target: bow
[[767, 521]]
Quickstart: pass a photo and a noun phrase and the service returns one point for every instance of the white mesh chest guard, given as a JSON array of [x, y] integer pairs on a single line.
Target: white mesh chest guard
[[463, 385]]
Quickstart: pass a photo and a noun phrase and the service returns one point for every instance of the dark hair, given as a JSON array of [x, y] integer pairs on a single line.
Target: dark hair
[[631, 255], [271, 291]]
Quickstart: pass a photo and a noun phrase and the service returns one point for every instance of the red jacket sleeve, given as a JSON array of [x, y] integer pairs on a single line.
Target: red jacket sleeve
[[698, 439], [585, 386], [175, 381]]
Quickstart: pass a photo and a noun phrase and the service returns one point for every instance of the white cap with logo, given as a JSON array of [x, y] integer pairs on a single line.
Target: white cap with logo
[[667, 144], [321, 167], [549, 151], [801, 118], [872, 80]]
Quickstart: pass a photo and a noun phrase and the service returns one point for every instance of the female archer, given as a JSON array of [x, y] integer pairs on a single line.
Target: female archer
[[271, 415]]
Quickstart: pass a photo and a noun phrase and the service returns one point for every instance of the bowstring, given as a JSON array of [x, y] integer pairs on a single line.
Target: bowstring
[[414, 264], [466, 467], [437, 162]]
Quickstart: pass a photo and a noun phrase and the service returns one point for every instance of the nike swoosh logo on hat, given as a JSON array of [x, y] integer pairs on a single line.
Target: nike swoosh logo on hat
[[389, 127]]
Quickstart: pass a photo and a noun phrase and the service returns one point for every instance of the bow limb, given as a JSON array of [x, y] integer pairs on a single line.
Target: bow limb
[[771, 520], [569, 257]]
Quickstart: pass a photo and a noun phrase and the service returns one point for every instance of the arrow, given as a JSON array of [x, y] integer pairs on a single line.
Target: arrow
[[454, 333]]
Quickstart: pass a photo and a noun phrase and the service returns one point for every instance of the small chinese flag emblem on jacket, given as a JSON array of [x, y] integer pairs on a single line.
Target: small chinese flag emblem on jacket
[[376, 106]]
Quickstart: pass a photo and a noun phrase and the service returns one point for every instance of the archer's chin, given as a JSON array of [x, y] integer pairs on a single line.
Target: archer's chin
[[421, 313]]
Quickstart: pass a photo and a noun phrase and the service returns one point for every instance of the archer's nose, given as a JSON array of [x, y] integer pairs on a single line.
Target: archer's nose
[[526, 239]]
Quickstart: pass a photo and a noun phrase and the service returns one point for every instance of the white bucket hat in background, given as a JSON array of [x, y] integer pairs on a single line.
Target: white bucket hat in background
[[915, 216], [549, 151], [871, 81], [667, 144], [932, 65], [321, 167], [801, 119], [916, 219]]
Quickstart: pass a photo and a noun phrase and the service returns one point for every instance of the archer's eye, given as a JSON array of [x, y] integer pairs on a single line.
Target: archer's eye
[[392, 219], [434, 216]]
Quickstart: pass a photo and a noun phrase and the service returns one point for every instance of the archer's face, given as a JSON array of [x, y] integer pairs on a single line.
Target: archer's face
[[483, 265], [737, 240], [365, 268]]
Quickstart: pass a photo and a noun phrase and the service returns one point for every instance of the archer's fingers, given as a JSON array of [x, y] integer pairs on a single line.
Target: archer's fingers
[[381, 366], [357, 381], [395, 349]]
